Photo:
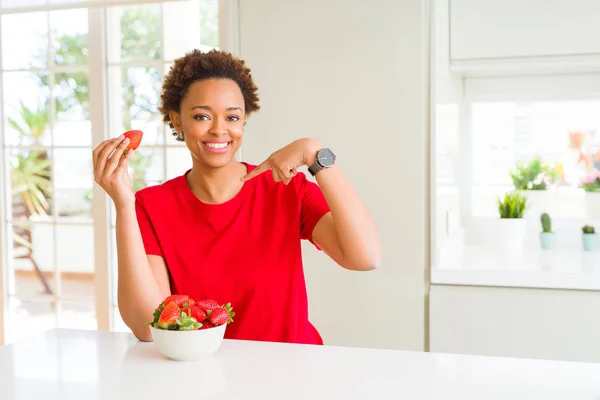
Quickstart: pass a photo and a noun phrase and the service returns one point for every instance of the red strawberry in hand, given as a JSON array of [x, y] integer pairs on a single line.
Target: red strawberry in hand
[[207, 305], [169, 316], [135, 138], [222, 315]]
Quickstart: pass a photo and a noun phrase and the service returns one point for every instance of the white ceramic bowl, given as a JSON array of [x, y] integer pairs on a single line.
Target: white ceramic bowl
[[188, 345]]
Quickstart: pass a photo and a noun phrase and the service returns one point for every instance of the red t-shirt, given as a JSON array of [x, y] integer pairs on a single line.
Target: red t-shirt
[[246, 251]]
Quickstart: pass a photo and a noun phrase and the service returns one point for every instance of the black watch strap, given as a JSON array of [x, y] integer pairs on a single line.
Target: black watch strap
[[316, 167]]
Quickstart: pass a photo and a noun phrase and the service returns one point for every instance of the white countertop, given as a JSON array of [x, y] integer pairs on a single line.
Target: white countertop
[[532, 268], [71, 364]]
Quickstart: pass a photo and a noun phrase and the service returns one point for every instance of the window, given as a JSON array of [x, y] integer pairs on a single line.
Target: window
[[560, 134], [500, 134], [48, 135], [508, 132]]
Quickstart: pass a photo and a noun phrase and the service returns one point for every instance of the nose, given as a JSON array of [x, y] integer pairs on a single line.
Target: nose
[[218, 127]]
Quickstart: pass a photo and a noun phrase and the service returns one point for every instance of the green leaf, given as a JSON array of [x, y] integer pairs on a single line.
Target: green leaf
[[534, 174], [156, 315], [22, 241], [512, 206]]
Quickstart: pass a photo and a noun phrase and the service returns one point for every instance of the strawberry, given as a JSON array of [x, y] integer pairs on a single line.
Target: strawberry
[[222, 315], [179, 299], [135, 138], [172, 318], [169, 316], [206, 325], [195, 312], [207, 305], [219, 316], [186, 323]]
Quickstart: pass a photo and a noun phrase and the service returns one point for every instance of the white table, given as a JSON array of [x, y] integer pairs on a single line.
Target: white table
[[71, 364]]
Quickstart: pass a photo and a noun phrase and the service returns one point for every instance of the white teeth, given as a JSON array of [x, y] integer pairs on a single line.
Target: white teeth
[[217, 145]]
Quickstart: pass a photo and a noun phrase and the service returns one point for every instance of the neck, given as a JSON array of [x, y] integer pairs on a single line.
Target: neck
[[216, 185]]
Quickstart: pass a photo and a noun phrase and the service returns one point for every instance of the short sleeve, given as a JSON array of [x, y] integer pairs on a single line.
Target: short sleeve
[[149, 237], [314, 207]]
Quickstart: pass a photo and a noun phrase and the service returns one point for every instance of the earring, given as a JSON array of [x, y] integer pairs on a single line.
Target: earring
[[180, 135]]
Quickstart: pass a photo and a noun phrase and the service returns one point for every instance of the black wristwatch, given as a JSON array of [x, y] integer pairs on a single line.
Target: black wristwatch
[[325, 159]]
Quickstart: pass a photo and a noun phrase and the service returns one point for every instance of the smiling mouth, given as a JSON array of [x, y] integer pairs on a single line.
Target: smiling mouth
[[216, 147]]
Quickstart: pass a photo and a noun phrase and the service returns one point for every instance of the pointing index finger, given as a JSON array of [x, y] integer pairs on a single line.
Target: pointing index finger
[[256, 171]]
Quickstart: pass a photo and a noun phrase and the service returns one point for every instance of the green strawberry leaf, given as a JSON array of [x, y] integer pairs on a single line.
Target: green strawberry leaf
[[156, 315]]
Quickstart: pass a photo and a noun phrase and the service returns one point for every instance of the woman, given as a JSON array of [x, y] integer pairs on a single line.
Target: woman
[[227, 230]]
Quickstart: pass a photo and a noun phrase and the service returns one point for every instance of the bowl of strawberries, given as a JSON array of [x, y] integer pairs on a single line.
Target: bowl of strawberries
[[186, 329]]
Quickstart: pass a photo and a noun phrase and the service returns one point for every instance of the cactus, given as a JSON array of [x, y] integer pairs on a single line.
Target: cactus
[[546, 223], [588, 229]]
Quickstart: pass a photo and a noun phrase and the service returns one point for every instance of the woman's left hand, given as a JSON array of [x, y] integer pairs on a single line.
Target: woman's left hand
[[284, 163]]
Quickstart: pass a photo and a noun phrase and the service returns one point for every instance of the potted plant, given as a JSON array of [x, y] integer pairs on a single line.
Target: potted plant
[[547, 237], [591, 239], [510, 231], [534, 174], [533, 178], [591, 184]]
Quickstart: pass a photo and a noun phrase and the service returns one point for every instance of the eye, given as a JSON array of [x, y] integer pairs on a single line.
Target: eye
[[233, 118], [201, 117]]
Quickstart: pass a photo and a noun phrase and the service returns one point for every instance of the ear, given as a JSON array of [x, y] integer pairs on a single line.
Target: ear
[[175, 120]]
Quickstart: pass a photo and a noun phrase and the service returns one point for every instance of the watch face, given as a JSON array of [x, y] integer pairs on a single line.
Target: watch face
[[325, 157]]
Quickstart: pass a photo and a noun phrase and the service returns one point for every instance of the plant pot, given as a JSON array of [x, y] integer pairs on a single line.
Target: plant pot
[[591, 241], [547, 240], [509, 233]]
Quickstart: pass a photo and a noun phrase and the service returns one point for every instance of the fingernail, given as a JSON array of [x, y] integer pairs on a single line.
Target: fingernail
[[121, 137], [126, 140]]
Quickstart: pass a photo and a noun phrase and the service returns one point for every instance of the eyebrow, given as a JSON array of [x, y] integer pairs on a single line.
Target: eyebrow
[[210, 109]]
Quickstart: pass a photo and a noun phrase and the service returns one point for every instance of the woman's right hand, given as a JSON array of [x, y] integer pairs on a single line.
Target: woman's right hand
[[110, 170]]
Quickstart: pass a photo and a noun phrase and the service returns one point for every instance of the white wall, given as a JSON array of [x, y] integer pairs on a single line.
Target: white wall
[[546, 324], [353, 74]]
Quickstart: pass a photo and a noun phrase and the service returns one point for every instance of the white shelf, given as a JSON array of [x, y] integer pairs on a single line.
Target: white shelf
[[532, 268]]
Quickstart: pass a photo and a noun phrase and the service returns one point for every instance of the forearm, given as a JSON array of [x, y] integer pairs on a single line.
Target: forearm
[[138, 293], [357, 233]]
